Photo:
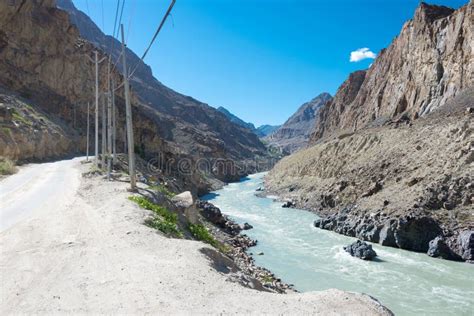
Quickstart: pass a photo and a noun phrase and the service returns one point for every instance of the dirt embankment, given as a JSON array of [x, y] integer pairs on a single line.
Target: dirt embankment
[[401, 184]]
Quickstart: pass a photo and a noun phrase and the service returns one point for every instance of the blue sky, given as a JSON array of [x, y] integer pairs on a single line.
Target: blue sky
[[261, 59]]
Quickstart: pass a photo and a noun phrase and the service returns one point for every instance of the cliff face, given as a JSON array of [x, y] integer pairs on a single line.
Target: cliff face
[[43, 59], [429, 63], [391, 156], [294, 133]]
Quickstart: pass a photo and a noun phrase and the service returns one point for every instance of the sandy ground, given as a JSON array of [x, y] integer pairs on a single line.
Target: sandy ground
[[79, 246]]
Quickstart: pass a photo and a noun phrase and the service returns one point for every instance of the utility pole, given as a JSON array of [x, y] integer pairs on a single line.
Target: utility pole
[[114, 130], [104, 132], [96, 161], [97, 62], [128, 115], [109, 134], [87, 146]]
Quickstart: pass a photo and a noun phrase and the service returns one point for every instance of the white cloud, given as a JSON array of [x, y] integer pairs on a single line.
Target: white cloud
[[361, 54]]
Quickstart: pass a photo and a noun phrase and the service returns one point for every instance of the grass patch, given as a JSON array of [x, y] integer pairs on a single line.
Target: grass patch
[[201, 233], [164, 220], [7, 166], [20, 118], [161, 188]]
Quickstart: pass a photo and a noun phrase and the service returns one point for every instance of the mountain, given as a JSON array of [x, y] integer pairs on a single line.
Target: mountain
[[261, 131], [294, 133], [429, 63], [265, 130], [47, 81], [390, 158], [235, 119]]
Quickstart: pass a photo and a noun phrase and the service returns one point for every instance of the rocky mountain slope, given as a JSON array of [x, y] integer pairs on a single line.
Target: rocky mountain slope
[[392, 154], [260, 131], [266, 129], [235, 119], [430, 62], [294, 133], [43, 60]]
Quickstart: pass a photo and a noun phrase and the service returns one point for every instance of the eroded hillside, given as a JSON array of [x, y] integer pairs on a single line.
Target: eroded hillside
[[393, 151]]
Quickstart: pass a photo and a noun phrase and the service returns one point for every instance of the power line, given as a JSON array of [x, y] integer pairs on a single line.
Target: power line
[[132, 11], [154, 36], [121, 14], [103, 25]]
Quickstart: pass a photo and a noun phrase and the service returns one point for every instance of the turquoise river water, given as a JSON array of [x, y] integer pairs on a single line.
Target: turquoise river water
[[313, 259]]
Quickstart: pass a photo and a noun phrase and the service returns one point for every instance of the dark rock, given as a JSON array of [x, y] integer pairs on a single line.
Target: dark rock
[[374, 188], [386, 202], [327, 201], [414, 232], [386, 235], [246, 226], [259, 189], [361, 250], [439, 248], [288, 204]]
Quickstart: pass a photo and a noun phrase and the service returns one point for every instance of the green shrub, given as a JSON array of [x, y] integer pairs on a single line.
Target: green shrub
[[201, 233], [164, 220], [7, 166]]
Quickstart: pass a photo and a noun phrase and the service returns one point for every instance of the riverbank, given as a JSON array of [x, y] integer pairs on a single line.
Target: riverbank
[[93, 254], [313, 259], [399, 184]]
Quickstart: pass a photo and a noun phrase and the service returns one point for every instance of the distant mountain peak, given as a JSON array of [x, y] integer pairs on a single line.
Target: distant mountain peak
[[294, 133]]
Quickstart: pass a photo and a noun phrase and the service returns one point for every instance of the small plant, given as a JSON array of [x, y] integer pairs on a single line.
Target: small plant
[[20, 118], [7, 166], [161, 188], [164, 220], [201, 233]]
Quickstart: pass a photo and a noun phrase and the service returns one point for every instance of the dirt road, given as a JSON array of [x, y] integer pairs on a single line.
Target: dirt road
[[77, 245]]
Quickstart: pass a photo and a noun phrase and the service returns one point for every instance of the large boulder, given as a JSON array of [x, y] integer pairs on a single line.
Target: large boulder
[[361, 250], [414, 232], [184, 199], [439, 248], [211, 213]]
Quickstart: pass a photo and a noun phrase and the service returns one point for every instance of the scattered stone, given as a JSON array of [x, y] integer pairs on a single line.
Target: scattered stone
[[361, 249], [413, 181], [288, 204], [374, 188], [469, 110], [260, 253], [386, 202], [259, 189], [246, 226]]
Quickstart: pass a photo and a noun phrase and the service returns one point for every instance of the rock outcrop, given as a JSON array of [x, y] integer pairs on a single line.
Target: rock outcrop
[[43, 59], [361, 250], [294, 133], [429, 63]]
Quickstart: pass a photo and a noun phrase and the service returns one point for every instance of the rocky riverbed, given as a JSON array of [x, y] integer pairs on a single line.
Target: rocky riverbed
[[229, 232]]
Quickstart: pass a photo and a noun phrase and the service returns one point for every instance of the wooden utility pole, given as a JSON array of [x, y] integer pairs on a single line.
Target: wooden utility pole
[[114, 131], [97, 62], [109, 134], [87, 146], [128, 116], [104, 132]]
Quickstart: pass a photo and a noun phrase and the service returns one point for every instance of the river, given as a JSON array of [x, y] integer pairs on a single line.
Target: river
[[313, 259]]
